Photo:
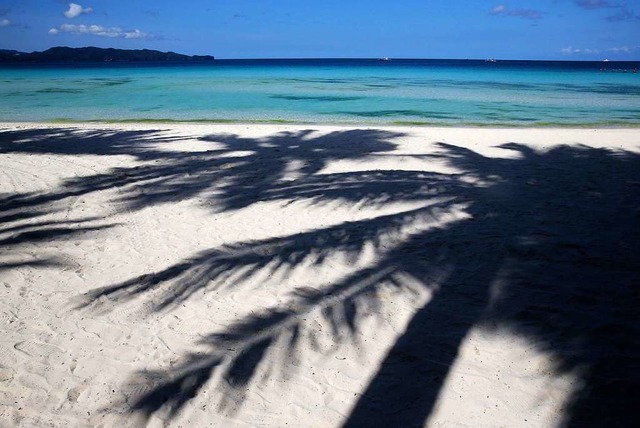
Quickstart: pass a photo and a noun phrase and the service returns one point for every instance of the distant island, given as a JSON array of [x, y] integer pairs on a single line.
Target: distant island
[[93, 54]]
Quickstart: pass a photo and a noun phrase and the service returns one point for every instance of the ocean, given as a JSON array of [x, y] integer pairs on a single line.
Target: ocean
[[340, 91]]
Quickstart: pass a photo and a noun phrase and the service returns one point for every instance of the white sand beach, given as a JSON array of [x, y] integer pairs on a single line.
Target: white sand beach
[[243, 275]]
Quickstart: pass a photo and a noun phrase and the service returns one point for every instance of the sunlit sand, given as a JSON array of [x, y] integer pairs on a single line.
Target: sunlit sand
[[273, 275]]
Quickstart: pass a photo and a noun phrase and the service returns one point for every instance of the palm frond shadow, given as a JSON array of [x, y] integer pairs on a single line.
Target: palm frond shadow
[[22, 223], [276, 334], [165, 175], [26, 217], [231, 266], [77, 141], [228, 175], [557, 230], [237, 172]]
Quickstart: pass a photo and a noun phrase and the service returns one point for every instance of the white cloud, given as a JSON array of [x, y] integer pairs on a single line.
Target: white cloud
[[518, 13], [578, 51], [76, 10], [135, 34], [616, 50], [4, 22], [620, 49], [99, 30], [624, 49]]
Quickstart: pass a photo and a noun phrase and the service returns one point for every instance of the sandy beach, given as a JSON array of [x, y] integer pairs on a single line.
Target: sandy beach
[[245, 275]]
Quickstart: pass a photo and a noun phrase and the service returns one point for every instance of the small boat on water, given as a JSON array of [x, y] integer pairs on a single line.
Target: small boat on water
[[385, 59]]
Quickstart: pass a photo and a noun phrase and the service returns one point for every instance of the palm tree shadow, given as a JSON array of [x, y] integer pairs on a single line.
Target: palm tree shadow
[[556, 230], [25, 223], [27, 218], [224, 177]]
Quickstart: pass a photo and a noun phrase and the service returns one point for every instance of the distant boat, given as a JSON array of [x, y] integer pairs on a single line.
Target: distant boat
[[605, 60], [489, 60], [385, 59]]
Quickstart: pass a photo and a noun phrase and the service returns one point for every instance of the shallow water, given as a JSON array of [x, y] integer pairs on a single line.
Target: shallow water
[[438, 92]]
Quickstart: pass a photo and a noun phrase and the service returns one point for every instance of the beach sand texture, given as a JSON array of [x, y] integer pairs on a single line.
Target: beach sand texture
[[268, 275]]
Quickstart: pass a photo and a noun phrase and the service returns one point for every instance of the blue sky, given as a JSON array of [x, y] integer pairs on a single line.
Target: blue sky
[[504, 29]]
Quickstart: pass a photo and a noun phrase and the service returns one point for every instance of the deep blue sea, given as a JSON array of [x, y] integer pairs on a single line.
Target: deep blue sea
[[424, 92]]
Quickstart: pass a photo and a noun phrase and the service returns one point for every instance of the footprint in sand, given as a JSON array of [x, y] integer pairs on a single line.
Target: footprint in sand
[[42, 352], [74, 393], [8, 319]]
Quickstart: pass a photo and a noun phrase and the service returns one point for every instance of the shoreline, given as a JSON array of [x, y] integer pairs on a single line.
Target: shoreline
[[276, 123]]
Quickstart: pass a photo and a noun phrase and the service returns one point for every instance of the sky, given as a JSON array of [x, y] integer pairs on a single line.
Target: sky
[[501, 29]]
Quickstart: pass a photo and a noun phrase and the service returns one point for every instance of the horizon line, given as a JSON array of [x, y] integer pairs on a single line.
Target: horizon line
[[345, 57], [421, 59]]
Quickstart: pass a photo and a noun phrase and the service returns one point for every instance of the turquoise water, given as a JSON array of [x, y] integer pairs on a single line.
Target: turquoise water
[[329, 91]]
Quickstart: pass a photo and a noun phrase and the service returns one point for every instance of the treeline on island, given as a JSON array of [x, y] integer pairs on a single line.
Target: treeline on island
[[93, 54]]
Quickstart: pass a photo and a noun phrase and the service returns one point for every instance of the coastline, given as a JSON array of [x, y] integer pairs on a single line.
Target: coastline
[[425, 124], [346, 124], [262, 274]]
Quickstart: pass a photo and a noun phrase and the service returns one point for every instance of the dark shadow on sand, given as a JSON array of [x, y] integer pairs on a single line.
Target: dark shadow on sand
[[26, 217], [557, 229], [550, 251]]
